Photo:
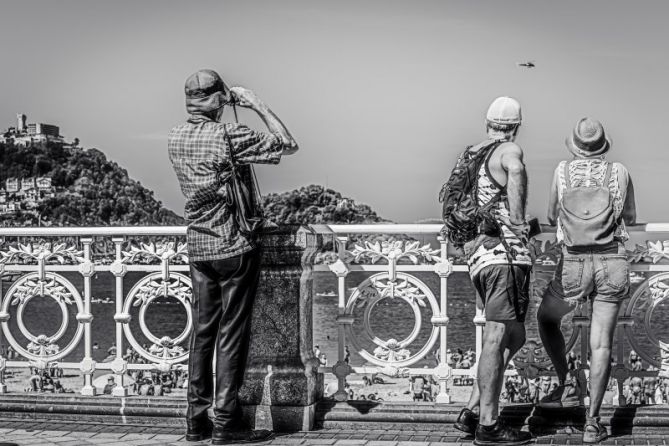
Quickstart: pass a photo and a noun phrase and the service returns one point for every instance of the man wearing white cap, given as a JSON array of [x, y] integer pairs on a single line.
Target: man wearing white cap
[[224, 260], [591, 200], [499, 266]]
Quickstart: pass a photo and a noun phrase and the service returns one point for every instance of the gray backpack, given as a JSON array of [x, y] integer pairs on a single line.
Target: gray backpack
[[586, 213]]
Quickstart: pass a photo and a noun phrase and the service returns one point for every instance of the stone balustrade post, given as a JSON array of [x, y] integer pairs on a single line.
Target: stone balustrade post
[[282, 383]]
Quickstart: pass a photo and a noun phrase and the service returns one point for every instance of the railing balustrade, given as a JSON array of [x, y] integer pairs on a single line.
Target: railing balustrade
[[386, 277], [382, 264], [41, 262]]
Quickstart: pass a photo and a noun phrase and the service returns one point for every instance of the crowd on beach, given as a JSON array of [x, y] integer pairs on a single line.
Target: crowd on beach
[[149, 383], [636, 390], [158, 384], [47, 381], [517, 389], [141, 382]]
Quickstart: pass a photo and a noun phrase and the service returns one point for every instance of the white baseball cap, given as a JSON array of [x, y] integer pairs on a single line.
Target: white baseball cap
[[504, 110]]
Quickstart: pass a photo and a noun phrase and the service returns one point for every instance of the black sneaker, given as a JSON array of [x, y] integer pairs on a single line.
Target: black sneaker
[[221, 436], [500, 433], [199, 429], [467, 421]]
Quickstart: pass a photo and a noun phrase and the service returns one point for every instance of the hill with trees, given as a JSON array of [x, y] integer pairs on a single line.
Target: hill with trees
[[316, 204], [90, 189]]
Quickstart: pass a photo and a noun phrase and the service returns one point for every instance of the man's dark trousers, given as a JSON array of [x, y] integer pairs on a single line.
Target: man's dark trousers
[[223, 295]]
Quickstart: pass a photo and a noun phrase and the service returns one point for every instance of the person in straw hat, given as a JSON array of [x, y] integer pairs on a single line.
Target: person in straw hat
[[591, 201], [224, 261]]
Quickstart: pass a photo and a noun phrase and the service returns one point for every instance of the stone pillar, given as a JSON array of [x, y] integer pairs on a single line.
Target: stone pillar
[[282, 382]]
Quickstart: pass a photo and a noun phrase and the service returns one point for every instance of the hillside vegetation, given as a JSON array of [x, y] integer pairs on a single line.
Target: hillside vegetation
[[316, 204], [91, 190], [94, 191]]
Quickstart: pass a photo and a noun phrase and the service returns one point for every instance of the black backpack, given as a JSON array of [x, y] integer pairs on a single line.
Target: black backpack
[[463, 218]]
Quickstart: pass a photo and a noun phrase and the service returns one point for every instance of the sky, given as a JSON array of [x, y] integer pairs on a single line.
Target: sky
[[381, 95]]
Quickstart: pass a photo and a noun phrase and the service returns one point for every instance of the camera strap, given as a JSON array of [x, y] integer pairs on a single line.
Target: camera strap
[[256, 189], [234, 110]]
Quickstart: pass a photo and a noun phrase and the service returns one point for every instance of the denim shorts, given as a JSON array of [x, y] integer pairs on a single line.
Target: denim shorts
[[600, 275]]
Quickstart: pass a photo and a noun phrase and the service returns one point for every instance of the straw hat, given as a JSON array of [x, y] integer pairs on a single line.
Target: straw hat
[[588, 139]]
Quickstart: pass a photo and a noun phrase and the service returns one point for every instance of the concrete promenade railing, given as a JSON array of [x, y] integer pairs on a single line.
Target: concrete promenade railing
[[390, 256], [284, 381]]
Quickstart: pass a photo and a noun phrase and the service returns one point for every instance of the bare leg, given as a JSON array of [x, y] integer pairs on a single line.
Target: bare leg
[[475, 397], [602, 328], [550, 314], [498, 338]]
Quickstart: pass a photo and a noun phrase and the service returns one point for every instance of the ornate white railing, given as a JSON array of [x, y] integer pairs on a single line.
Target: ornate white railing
[[41, 262], [382, 262], [389, 281], [388, 278]]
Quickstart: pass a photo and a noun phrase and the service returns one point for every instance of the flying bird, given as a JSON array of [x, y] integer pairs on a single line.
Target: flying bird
[[529, 64]]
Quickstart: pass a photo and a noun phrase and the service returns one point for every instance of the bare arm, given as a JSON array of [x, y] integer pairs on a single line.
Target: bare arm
[[516, 186], [629, 208], [275, 125], [553, 201], [246, 98]]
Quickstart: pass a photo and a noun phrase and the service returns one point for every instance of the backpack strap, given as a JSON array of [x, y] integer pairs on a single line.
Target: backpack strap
[[486, 166], [486, 150], [567, 180], [483, 145], [607, 182], [607, 177]]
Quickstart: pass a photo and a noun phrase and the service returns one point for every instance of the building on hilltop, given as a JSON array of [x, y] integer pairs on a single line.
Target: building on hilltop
[[25, 134], [21, 122], [36, 129]]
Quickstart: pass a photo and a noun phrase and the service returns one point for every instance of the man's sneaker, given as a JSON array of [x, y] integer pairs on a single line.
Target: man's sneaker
[[221, 436], [199, 429], [500, 433], [467, 421], [593, 431], [565, 395]]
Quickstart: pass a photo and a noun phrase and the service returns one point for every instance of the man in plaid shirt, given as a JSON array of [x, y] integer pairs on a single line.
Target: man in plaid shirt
[[224, 263]]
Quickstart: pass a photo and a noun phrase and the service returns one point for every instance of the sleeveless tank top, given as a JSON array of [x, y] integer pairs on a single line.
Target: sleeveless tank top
[[484, 254]]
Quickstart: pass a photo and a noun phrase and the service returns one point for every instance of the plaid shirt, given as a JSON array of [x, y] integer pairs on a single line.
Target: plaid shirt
[[200, 154]]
